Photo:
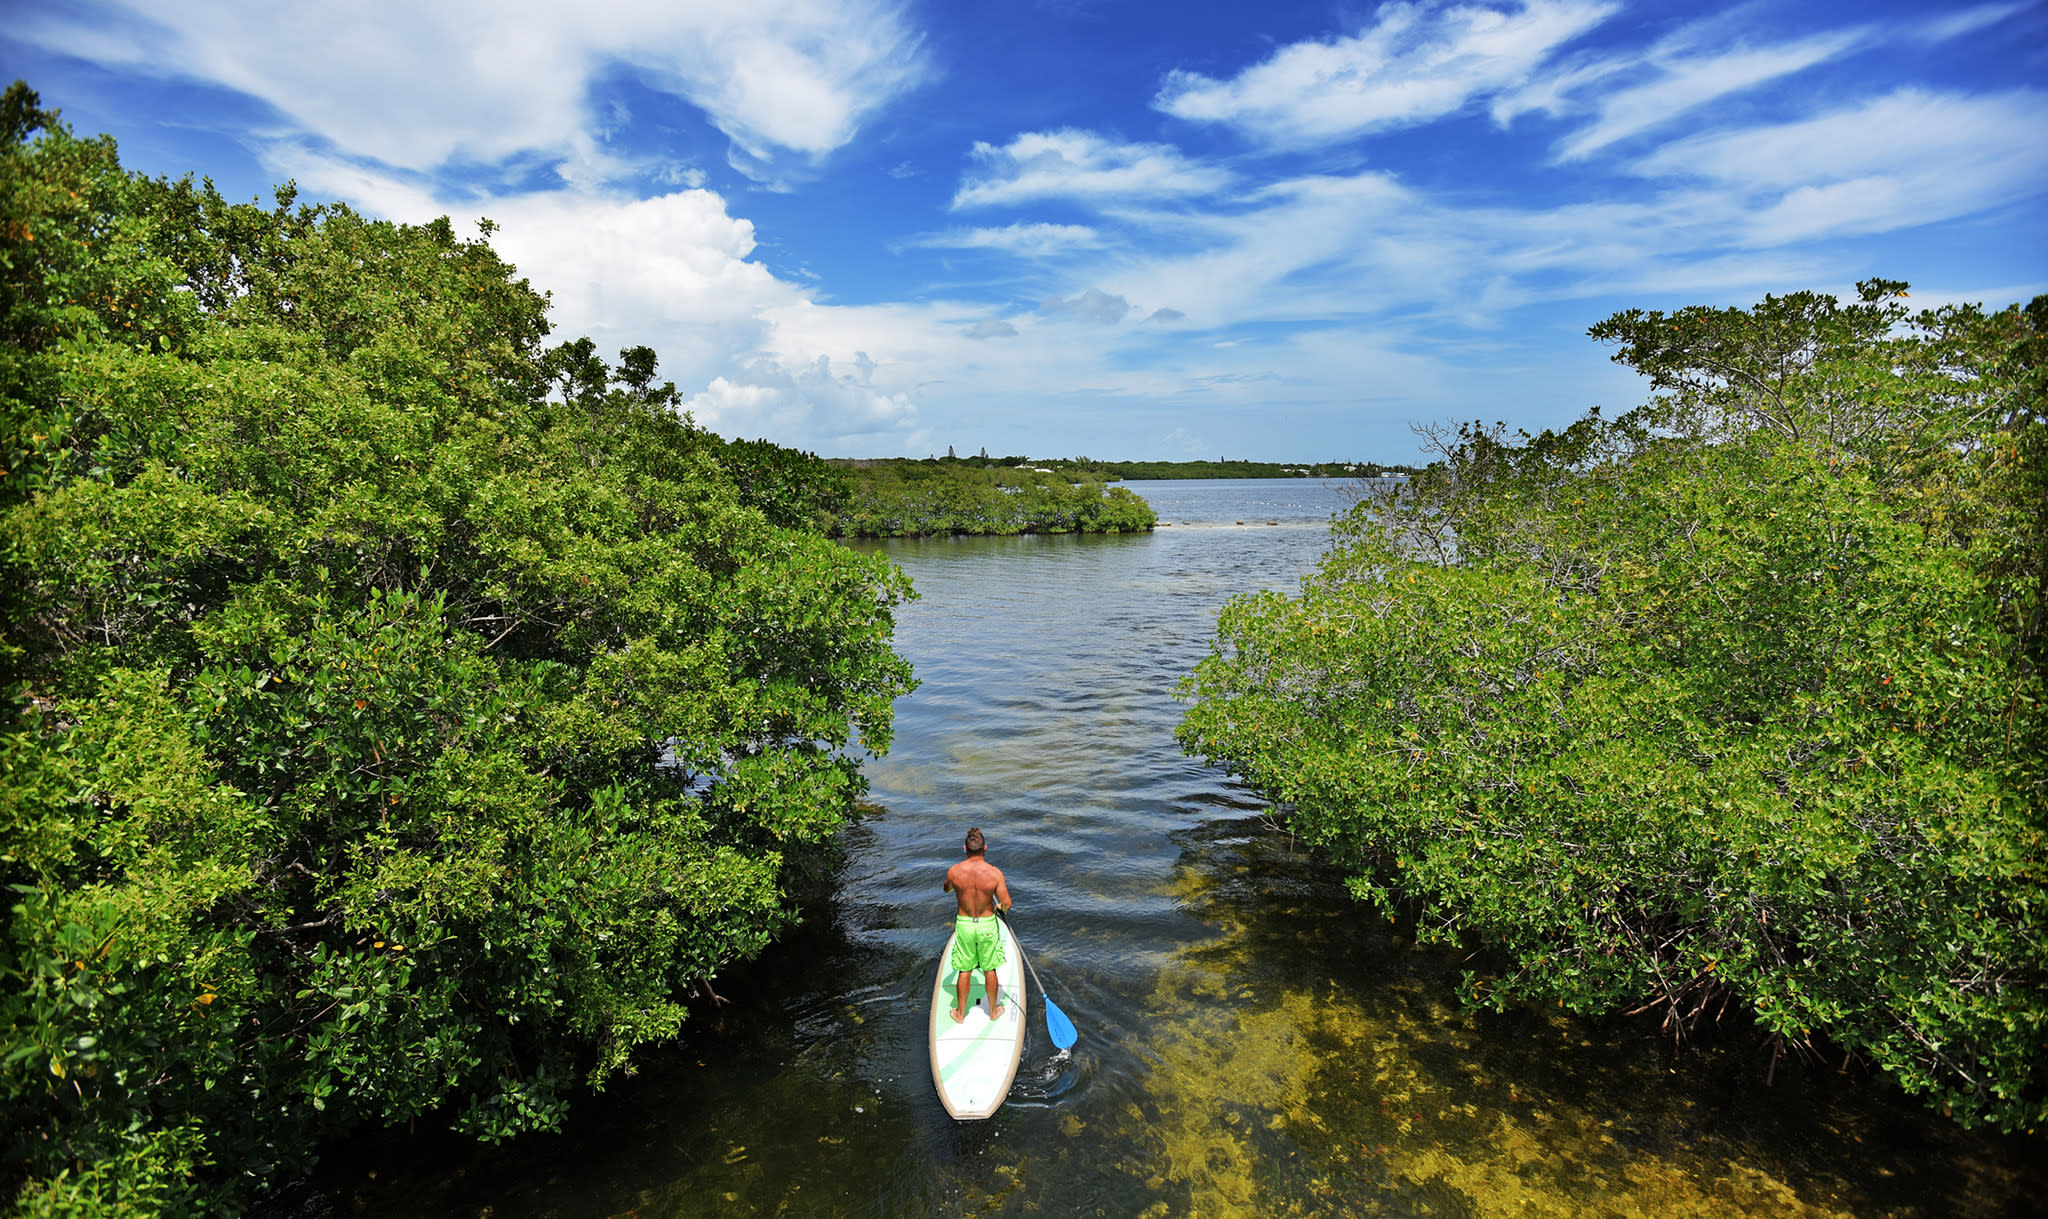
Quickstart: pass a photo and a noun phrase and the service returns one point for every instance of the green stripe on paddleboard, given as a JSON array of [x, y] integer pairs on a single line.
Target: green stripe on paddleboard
[[966, 1054]]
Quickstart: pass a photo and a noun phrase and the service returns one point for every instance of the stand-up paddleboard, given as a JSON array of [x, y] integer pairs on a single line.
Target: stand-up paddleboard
[[975, 1061]]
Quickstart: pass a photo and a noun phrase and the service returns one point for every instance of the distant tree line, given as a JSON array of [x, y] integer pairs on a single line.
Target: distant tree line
[[905, 498], [1144, 470], [1732, 705], [401, 717], [1138, 470]]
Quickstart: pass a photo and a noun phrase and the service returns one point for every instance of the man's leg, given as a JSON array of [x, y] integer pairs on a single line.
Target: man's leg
[[960, 1008], [995, 993]]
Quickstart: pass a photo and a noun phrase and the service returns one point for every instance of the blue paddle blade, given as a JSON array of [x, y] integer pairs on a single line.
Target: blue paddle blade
[[1061, 1028]]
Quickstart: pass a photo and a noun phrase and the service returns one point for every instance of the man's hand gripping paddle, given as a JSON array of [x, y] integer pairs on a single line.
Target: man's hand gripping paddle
[[1056, 1022]]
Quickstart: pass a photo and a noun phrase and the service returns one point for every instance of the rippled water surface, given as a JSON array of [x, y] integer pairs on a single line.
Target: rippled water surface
[[1251, 1043]]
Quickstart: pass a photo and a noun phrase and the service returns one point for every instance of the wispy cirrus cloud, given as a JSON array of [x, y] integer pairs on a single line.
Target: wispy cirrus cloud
[[1631, 93], [1684, 82], [420, 84], [1966, 21], [1082, 165], [1024, 240], [1908, 158], [1417, 62]]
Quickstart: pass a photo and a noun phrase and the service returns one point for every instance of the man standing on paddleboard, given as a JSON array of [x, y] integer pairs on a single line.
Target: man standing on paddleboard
[[977, 938]]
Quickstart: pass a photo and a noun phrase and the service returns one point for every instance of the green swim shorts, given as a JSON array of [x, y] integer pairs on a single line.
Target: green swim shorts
[[977, 943]]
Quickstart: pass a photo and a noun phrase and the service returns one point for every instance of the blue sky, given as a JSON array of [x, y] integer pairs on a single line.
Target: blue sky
[[1126, 230]]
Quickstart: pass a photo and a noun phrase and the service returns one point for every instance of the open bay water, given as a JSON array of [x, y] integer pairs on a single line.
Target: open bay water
[[1251, 1041]]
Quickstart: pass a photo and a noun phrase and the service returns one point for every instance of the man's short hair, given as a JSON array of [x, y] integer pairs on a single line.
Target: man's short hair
[[976, 844]]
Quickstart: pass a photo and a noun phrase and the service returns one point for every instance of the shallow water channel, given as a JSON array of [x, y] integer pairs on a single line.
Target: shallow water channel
[[1251, 1042]]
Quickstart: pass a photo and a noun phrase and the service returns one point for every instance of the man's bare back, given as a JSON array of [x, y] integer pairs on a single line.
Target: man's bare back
[[977, 884]]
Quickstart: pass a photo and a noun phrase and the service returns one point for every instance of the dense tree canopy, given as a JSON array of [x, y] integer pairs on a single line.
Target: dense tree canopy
[[403, 716], [1734, 699]]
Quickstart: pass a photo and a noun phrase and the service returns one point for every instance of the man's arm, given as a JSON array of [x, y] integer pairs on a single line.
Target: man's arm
[[949, 879], [1002, 890]]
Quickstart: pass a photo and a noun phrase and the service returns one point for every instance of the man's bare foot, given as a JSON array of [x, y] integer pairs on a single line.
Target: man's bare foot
[[996, 1012], [959, 1014]]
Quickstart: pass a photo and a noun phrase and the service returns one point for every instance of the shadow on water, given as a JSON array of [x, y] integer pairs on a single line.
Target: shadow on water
[[1252, 1043]]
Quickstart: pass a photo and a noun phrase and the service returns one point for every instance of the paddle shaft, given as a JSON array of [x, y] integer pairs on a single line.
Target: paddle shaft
[[1027, 956], [1054, 1017]]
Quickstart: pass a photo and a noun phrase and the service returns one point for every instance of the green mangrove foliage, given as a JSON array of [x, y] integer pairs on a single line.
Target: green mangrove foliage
[[1736, 699], [404, 718], [903, 498]]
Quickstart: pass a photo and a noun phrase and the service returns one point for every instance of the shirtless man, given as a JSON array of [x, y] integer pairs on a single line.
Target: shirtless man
[[978, 940]]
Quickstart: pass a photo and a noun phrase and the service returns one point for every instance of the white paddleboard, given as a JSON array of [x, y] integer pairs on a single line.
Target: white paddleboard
[[975, 1061]]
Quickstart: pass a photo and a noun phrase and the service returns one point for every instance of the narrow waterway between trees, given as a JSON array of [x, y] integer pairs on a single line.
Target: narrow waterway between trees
[[1251, 1041]]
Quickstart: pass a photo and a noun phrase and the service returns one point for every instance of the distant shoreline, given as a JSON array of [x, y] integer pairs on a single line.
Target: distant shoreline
[[1142, 471]]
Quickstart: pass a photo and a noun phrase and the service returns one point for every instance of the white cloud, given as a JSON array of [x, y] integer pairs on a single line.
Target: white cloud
[[1094, 305], [1023, 240], [1552, 92], [1908, 158], [1699, 64], [1970, 20], [677, 272], [991, 328], [1417, 62], [1368, 250], [423, 83], [680, 175], [1082, 164], [1991, 296], [775, 399], [617, 268], [1687, 81]]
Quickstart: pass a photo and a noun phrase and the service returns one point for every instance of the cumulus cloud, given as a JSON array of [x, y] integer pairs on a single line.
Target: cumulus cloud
[[1167, 315], [1094, 305], [420, 84], [770, 397], [756, 355], [1084, 165], [991, 328], [675, 264], [1415, 63]]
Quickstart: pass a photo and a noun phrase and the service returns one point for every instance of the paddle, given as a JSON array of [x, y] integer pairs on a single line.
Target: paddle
[[1056, 1022]]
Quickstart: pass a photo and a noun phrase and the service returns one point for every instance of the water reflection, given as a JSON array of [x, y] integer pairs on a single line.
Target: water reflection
[[1251, 1042]]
